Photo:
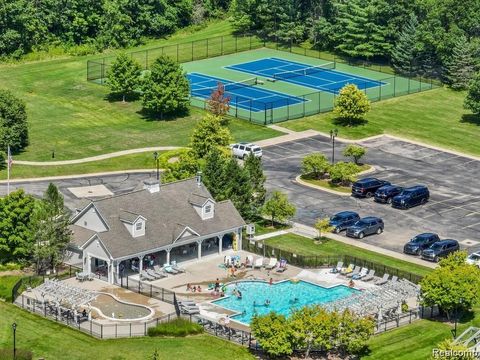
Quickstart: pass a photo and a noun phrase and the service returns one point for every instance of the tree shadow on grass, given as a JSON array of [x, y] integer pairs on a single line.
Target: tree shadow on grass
[[471, 119], [112, 98], [153, 116], [349, 122]]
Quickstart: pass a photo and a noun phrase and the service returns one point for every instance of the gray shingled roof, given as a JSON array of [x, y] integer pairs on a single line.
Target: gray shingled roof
[[80, 235], [167, 212]]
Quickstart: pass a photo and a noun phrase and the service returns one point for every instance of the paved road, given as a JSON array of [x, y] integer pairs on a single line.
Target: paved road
[[453, 210]]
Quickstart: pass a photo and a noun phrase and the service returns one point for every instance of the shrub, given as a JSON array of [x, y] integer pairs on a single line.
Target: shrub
[[315, 165], [177, 327], [344, 173], [10, 266], [356, 152]]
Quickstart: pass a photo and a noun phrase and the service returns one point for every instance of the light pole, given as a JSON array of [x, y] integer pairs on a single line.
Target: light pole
[[155, 156], [14, 328], [333, 135], [456, 317]]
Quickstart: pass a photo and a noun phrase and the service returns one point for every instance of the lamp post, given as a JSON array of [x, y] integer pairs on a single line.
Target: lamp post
[[155, 156], [333, 135], [460, 301], [14, 328]]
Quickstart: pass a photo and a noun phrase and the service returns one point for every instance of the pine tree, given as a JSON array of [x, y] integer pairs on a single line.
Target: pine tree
[[239, 188], [459, 68], [359, 33], [165, 88], [472, 100], [254, 167], [124, 75], [405, 48], [215, 177]]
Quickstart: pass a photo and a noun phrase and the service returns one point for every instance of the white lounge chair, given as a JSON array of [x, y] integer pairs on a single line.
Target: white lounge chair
[[394, 279], [355, 271], [153, 274], [369, 276], [249, 261], [383, 280], [272, 262], [227, 260], [169, 269], [158, 270], [363, 272], [338, 268], [347, 270], [176, 267], [282, 265], [258, 263], [146, 276]]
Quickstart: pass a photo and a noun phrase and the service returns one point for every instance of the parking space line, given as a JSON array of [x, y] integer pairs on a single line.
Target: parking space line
[[472, 225]]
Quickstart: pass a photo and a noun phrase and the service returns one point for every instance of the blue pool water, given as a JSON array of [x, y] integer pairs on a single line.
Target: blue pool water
[[284, 296]]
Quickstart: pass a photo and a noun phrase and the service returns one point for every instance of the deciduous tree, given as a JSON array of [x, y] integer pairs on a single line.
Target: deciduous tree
[[351, 104], [273, 334], [356, 152], [315, 165], [13, 122], [165, 88], [323, 226], [453, 285], [208, 134], [472, 100], [278, 208], [344, 173], [124, 75], [219, 103]]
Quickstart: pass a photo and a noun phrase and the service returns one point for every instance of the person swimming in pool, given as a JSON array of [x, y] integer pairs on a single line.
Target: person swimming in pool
[[267, 302], [239, 294]]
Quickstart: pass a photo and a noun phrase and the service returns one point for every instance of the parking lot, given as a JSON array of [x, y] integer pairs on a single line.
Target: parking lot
[[453, 210]]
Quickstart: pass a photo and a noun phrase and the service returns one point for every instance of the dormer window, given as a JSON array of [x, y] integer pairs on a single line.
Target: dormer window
[[208, 209], [139, 225]]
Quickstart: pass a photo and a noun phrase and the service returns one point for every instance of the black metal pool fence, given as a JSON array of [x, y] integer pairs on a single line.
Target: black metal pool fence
[[314, 102]]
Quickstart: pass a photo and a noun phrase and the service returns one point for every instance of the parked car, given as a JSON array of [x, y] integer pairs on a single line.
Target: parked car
[[366, 226], [412, 196], [474, 259], [386, 193], [440, 249], [340, 221], [367, 187], [419, 243], [242, 150]]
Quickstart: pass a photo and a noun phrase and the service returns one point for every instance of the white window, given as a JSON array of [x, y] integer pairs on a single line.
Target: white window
[[208, 209], [139, 225]]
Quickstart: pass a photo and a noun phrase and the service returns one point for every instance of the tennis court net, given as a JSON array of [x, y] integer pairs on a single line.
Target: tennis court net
[[202, 90], [304, 71]]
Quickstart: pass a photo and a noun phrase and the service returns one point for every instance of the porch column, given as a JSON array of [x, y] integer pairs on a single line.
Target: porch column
[[220, 244], [140, 264], [117, 272], [89, 264], [199, 248], [168, 255], [239, 239], [110, 272]]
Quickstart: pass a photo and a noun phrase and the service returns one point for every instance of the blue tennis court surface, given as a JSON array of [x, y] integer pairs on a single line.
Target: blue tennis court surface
[[315, 77], [242, 94]]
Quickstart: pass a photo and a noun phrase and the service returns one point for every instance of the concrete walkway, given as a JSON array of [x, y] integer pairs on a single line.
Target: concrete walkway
[[95, 158], [270, 235], [310, 232]]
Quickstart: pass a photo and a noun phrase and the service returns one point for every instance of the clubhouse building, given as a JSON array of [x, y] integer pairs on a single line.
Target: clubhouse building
[[156, 225]]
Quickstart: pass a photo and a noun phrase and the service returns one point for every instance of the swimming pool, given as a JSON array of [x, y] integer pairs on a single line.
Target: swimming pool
[[283, 296]]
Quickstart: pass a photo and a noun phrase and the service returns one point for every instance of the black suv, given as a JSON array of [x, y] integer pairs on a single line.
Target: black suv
[[340, 221], [366, 226], [412, 196], [419, 243], [440, 249], [367, 187], [386, 193]]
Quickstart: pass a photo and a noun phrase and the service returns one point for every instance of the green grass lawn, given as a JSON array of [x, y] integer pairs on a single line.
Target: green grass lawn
[[304, 246], [73, 117], [54, 341], [436, 117], [6, 285], [325, 183]]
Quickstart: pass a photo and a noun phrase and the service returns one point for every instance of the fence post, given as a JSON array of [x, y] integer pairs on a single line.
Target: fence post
[[146, 59], [91, 332], [177, 53], [207, 47], [192, 50], [236, 44], [145, 328], [130, 329], [250, 42], [221, 46], [101, 331], [116, 330]]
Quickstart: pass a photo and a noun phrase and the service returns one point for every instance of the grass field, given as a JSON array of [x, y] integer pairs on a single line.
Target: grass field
[[436, 117], [304, 246], [73, 117], [50, 340]]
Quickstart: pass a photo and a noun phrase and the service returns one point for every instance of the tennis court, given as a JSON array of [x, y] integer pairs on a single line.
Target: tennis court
[[243, 94], [321, 77]]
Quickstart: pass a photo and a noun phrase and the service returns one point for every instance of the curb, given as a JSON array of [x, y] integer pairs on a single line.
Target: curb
[[66, 177], [304, 183]]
